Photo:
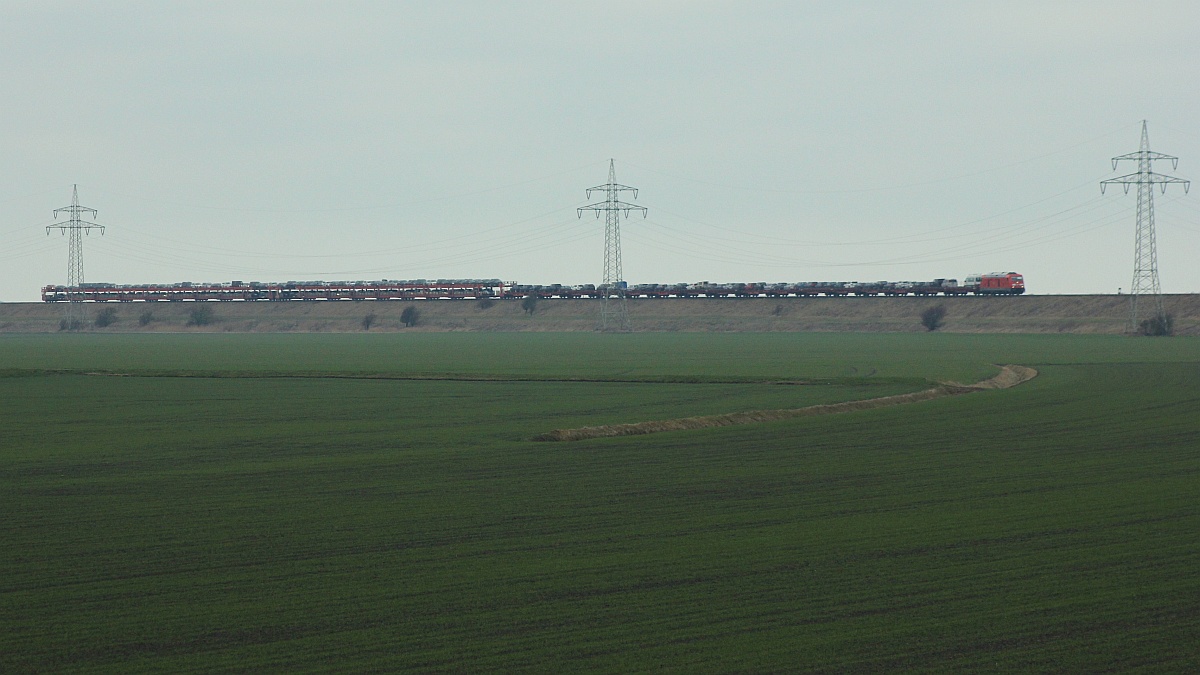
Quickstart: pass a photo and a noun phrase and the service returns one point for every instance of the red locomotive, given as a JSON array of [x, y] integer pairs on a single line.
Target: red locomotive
[[997, 283]]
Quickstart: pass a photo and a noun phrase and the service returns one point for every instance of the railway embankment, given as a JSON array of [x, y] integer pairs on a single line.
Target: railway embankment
[[1090, 314]]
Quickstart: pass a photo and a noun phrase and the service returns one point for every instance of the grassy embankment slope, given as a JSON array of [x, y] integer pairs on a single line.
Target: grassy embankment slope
[[1090, 314], [290, 523]]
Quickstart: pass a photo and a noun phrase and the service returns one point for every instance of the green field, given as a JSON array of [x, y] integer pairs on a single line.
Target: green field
[[373, 502]]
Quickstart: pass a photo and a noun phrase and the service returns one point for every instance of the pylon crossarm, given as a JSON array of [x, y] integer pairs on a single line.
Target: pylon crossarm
[[75, 205], [1164, 179], [613, 189], [611, 206], [1146, 154], [1140, 178], [1127, 178], [615, 205], [612, 186], [81, 228]]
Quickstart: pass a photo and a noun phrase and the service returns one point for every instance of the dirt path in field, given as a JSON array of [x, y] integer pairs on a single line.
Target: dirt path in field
[[1009, 376]]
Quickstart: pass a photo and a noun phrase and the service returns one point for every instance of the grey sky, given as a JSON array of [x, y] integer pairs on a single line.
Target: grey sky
[[771, 141]]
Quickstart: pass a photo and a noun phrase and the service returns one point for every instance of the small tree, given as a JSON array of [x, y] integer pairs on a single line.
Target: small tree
[[485, 303], [933, 317], [368, 321], [200, 316], [106, 317], [529, 304], [146, 318], [74, 324], [410, 316], [1162, 325]]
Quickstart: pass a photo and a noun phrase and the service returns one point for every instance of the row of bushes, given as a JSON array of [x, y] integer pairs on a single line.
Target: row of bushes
[[1159, 326], [409, 317], [932, 318], [198, 316], [203, 316]]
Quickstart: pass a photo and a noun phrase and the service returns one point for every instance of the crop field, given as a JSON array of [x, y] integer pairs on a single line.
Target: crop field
[[363, 502]]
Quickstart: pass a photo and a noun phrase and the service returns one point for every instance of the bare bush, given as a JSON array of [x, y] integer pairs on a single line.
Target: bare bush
[[410, 316], [933, 317], [1162, 325], [200, 316], [106, 317]]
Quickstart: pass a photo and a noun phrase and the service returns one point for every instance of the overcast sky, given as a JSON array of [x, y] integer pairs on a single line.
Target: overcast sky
[[771, 141]]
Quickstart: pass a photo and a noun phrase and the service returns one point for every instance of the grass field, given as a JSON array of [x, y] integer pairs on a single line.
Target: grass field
[[356, 502]]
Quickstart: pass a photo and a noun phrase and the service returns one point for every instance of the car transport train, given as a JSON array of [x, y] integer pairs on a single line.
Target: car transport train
[[1006, 283]]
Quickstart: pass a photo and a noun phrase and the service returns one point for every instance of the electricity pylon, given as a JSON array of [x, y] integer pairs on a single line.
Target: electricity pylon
[[1145, 257], [75, 227], [613, 314]]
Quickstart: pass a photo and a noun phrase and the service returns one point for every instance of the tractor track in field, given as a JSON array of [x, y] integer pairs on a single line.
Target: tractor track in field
[[1009, 376]]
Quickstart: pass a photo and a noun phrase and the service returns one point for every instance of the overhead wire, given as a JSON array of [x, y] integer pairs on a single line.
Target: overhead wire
[[1000, 239], [346, 209], [410, 248], [978, 241], [888, 187], [555, 234], [777, 240]]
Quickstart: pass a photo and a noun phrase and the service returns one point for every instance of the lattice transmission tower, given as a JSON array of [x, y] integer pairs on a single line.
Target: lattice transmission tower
[[1145, 256], [613, 314], [75, 227]]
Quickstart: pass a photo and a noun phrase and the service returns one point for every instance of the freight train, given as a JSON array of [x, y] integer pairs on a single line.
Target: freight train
[[1007, 283]]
